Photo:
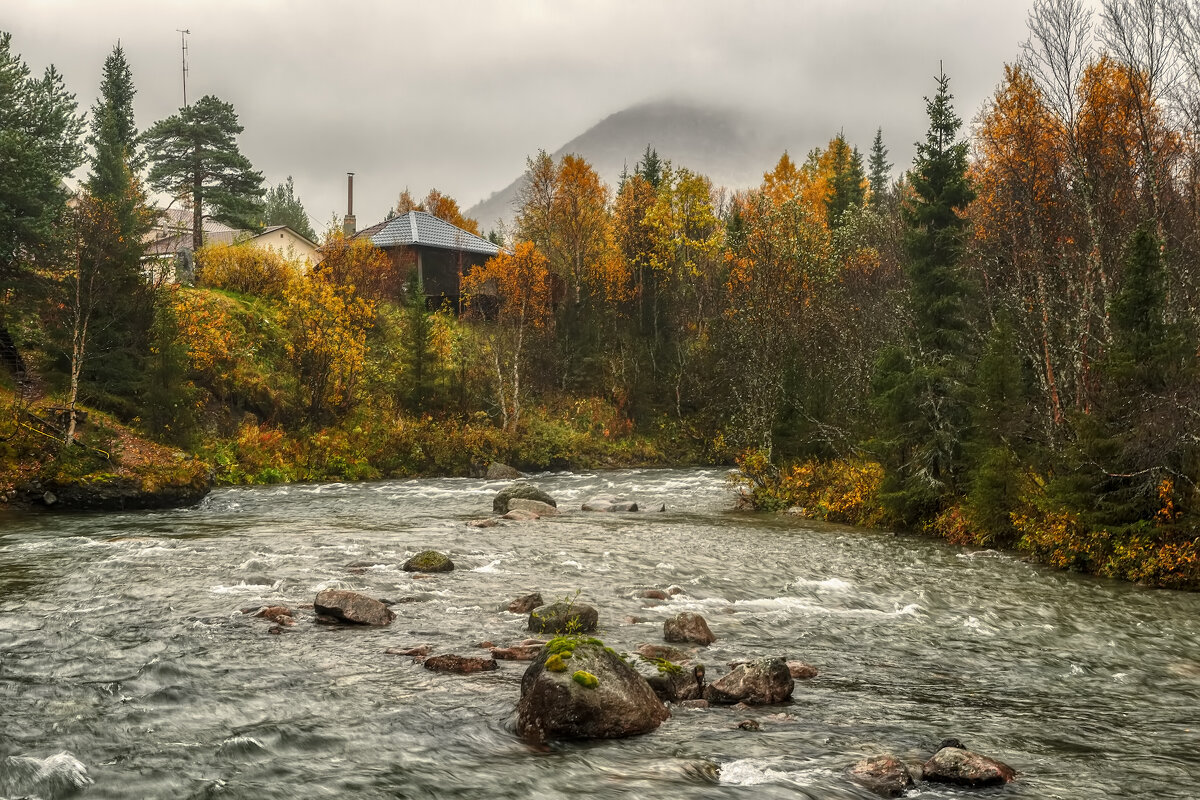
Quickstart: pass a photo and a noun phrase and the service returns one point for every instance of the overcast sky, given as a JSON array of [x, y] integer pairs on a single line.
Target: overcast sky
[[456, 94]]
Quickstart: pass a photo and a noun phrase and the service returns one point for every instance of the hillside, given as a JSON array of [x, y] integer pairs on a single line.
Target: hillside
[[733, 148]]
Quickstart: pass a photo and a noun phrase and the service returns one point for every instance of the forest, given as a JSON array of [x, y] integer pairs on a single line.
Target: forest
[[996, 344]]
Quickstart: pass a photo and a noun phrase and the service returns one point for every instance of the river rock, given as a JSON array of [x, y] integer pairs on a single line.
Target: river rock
[[674, 686], [520, 515], [525, 603], [609, 503], [420, 651], [502, 472], [281, 615], [522, 489], [352, 607], [585, 693], [886, 776], [563, 618], [517, 652], [749, 725], [757, 683], [954, 764], [486, 522], [661, 651], [654, 594], [428, 561], [536, 506], [461, 665], [688, 627], [802, 671]]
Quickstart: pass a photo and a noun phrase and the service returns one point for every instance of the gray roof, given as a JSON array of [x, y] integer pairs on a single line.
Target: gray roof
[[424, 229]]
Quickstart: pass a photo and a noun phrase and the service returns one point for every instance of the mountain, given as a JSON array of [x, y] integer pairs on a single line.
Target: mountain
[[733, 148]]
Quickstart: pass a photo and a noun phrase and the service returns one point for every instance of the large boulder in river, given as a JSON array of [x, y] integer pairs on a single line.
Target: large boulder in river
[[688, 627], [579, 689], [462, 665], [520, 489], [428, 561], [502, 472], [955, 764], [564, 618], [675, 684], [755, 683], [352, 607], [886, 776]]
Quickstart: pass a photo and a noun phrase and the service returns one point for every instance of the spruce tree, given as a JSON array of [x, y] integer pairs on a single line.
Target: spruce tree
[[650, 167], [921, 391], [418, 342], [124, 301], [847, 183], [194, 153], [282, 207], [879, 170]]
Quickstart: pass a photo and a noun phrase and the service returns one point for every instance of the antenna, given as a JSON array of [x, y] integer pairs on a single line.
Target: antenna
[[183, 34]]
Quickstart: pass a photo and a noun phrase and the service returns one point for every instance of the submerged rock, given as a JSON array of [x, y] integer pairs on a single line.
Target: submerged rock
[[886, 776], [757, 683], [428, 561], [59, 775], [654, 594], [564, 618], [502, 472], [518, 652], [609, 503], [420, 651], [956, 765], [534, 506], [657, 651], [281, 615], [352, 607], [802, 671], [578, 689], [522, 489], [486, 522], [461, 665], [688, 627], [525, 603]]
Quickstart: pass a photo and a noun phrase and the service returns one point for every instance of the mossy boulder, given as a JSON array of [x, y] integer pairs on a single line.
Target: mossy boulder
[[522, 489], [598, 697], [564, 618], [428, 561]]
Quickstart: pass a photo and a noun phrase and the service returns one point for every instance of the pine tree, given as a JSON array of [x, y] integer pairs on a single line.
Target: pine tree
[[847, 190], [921, 393], [194, 153], [880, 170], [282, 207], [124, 302], [650, 167], [418, 340]]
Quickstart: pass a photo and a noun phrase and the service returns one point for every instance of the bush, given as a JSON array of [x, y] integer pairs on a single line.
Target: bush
[[246, 269]]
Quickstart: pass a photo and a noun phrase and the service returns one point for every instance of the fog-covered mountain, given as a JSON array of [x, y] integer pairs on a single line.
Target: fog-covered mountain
[[733, 148]]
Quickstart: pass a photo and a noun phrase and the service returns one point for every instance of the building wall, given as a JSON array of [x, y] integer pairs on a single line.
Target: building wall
[[287, 244]]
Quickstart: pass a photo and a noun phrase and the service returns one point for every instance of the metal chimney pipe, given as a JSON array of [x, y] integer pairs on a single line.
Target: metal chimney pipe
[[349, 225]]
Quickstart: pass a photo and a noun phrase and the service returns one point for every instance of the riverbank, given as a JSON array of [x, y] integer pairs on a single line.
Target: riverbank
[[109, 468], [1158, 554]]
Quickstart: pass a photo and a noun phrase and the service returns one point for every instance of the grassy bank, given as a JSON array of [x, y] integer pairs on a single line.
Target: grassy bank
[[1161, 552]]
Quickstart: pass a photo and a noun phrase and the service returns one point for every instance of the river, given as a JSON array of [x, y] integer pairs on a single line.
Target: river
[[122, 644]]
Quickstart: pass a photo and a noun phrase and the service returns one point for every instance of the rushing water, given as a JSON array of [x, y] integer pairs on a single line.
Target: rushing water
[[122, 645]]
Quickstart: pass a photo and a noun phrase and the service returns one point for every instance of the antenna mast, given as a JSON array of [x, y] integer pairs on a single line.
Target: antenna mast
[[183, 34]]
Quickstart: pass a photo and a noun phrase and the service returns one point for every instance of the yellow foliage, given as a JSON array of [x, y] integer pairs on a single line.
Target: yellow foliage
[[328, 340], [246, 269]]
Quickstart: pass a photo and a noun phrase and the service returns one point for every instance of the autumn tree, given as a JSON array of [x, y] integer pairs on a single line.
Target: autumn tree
[[513, 289], [194, 154], [442, 206], [361, 267], [921, 391]]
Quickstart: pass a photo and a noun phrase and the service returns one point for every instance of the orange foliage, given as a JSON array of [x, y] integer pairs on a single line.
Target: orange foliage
[[520, 283], [359, 266], [245, 268], [442, 206]]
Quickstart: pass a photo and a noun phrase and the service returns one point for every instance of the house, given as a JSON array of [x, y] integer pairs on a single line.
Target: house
[[286, 242], [440, 252], [172, 236]]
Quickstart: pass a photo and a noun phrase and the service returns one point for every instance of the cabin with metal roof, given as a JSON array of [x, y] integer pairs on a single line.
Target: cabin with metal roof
[[440, 252]]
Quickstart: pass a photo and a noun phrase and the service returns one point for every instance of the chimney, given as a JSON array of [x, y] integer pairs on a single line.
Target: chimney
[[348, 225]]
